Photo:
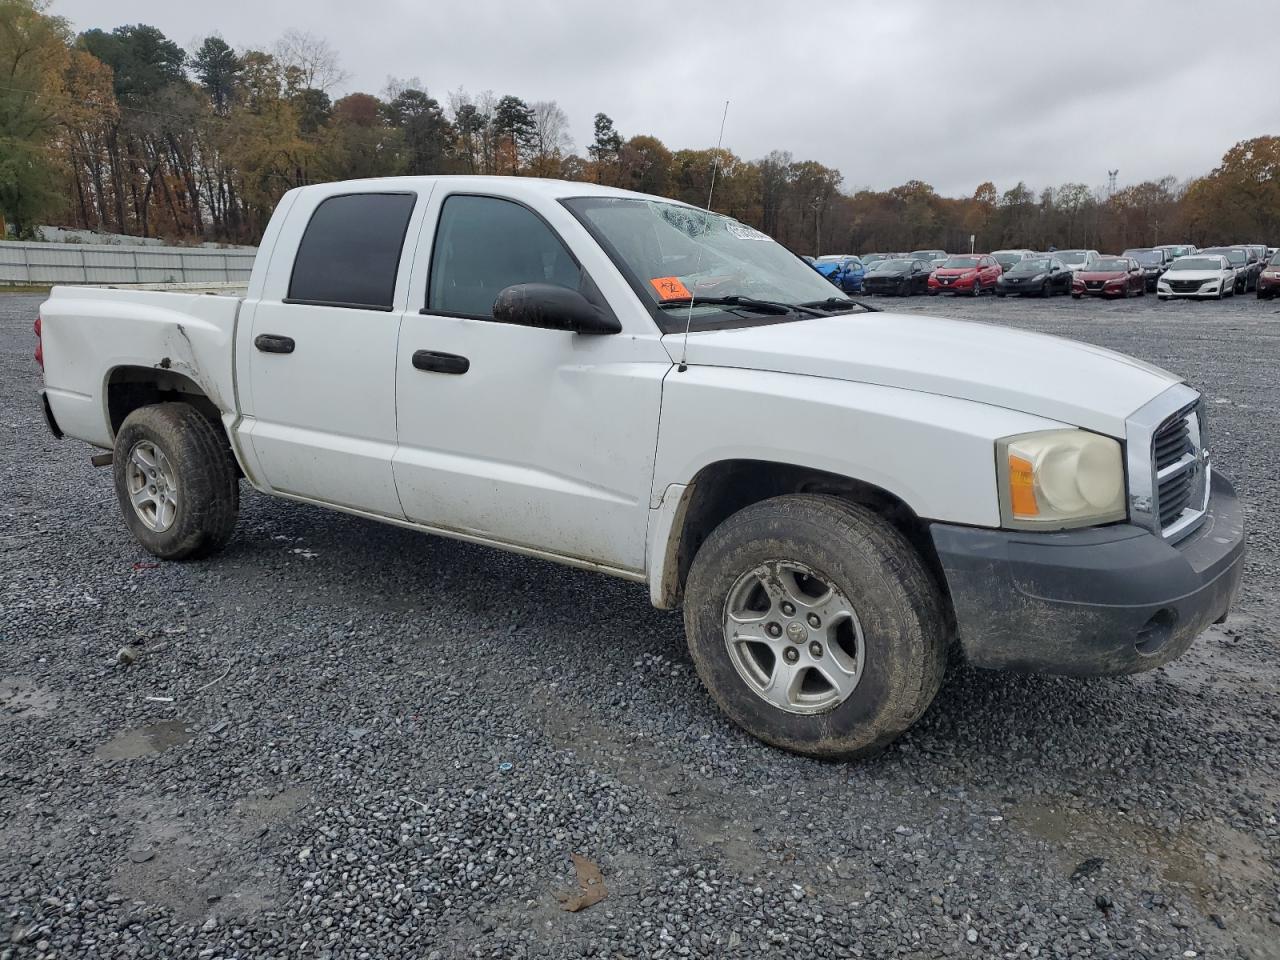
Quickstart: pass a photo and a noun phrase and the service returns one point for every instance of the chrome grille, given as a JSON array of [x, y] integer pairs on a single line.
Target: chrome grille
[[1185, 286], [1168, 464]]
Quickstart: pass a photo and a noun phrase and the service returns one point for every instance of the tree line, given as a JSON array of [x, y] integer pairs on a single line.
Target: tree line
[[124, 131]]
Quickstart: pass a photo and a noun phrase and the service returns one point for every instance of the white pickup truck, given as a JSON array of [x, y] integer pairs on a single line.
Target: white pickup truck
[[834, 494]]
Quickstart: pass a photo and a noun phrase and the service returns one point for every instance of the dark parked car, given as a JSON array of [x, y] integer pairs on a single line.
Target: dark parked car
[[898, 277], [1043, 276], [1110, 277], [1245, 263], [1154, 262], [1269, 279]]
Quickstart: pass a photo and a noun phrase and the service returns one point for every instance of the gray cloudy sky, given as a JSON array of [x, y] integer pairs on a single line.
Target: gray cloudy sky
[[952, 93]]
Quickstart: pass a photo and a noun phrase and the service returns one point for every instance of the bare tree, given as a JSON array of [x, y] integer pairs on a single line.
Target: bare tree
[[310, 61], [551, 140]]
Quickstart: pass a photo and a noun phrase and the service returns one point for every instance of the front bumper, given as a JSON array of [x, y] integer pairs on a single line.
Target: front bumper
[[1208, 290], [1269, 286], [1104, 292], [1093, 602]]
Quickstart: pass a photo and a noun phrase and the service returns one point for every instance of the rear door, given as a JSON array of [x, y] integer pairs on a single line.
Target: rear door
[[321, 364], [537, 438]]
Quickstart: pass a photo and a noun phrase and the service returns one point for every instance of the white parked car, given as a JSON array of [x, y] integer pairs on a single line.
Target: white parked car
[[1201, 275], [834, 494], [1079, 260]]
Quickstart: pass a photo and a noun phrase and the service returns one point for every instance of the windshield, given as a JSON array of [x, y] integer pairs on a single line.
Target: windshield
[[1073, 256], [829, 258], [1148, 258], [1008, 260], [672, 252], [960, 263], [891, 266], [1197, 263], [1178, 251], [1111, 265], [928, 254], [1237, 257], [1275, 259], [1025, 267]]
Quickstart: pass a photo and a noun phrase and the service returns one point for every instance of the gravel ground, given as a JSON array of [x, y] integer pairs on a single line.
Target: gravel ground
[[381, 744]]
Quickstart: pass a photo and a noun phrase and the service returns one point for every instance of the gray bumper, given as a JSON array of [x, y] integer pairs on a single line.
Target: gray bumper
[[1099, 601]]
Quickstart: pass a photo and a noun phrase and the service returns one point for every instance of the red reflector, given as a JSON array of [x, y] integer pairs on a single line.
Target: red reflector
[[40, 355], [36, 326]]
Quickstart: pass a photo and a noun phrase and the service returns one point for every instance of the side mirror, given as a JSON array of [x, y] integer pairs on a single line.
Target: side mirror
[[552, 308]]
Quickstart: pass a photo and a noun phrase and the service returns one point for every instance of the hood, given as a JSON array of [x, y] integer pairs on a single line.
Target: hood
[[1101, 274], [954, 271], [895, 273], [1192, 274], [1045, 376]]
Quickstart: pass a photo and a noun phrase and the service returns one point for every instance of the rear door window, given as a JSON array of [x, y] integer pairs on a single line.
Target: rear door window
[[350, 252]]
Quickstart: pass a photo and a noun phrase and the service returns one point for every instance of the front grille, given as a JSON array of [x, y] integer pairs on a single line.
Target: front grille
[[1185, 286], [1093, 284], [1180, 474]]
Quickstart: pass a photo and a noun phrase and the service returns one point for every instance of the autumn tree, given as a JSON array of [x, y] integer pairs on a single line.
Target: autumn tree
[[33, 59]]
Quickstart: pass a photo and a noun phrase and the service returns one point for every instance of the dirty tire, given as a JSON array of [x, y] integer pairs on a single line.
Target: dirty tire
[[204, 468], [896, 600]]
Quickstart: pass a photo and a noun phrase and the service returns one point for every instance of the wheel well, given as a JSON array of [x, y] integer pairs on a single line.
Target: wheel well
[[129, 388], [722, 489]]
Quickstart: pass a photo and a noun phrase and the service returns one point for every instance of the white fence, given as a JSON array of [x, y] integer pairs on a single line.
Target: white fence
[[41, 263]]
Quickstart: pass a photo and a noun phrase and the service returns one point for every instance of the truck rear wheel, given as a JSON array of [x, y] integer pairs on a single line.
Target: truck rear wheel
[[815, 626], [176, 481]]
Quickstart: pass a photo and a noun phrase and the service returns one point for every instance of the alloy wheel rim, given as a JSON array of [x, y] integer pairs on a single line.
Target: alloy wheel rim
[[152, 486], [793, 637]]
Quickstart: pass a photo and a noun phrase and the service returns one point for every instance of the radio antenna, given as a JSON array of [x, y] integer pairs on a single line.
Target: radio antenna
[[715, 167]]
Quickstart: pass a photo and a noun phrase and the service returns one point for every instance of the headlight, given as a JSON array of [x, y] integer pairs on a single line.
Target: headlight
[[1054, 479]]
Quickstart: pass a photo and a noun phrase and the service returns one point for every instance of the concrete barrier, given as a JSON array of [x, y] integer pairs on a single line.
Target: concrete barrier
[[47, 263]]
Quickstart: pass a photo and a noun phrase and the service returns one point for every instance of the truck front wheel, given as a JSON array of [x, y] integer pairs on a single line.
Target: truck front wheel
[[176, 481], [815, 625]]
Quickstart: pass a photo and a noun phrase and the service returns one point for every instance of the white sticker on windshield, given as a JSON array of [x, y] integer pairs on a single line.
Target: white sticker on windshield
[[743, 232]]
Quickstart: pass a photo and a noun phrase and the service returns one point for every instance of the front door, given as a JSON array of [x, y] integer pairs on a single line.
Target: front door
[[532, 437]]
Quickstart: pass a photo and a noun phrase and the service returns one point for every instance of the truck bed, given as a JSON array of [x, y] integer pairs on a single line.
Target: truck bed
[[96, 336]]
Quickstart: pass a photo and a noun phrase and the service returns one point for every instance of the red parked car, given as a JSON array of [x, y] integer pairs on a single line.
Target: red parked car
[[1110, 277], [969, 273]]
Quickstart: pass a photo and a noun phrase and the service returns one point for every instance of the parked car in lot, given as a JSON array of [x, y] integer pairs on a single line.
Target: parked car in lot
[[1110, 277], [1153, 261], [1201, 275], [1172, 251], [1242, 261], [836, 496], [899, 277], [1042, 276], [1078, 260], [1269, 279], [844, 270], [871, 259], [969, 273], [1007, 258], [935, 257]]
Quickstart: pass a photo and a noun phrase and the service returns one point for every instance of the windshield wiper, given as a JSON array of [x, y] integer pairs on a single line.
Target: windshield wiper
[[839, 303], [751, 303]]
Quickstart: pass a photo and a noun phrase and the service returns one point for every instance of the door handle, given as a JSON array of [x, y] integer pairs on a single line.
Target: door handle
[[435, 362], [270, 343]]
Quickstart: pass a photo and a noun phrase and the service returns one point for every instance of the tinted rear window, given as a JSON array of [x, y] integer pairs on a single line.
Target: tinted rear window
[[350, 252]]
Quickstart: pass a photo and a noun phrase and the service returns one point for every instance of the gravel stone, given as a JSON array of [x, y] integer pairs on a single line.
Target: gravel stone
[[342, 792]]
